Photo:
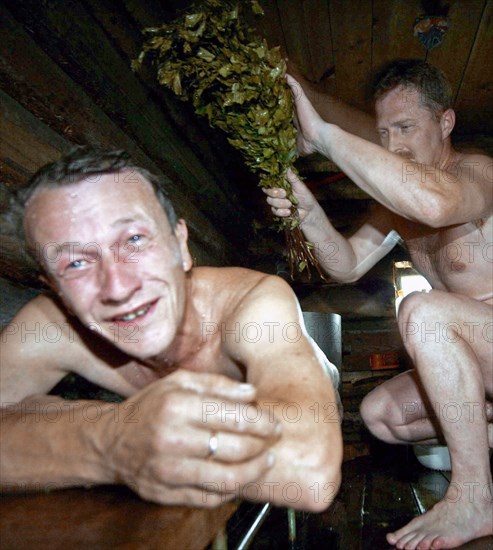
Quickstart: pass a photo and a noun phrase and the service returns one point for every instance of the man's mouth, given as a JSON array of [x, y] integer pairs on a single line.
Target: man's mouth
[[134, 314]]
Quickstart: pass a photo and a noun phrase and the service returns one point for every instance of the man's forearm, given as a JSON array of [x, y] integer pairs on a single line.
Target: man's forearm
[[334, 252], [48, 443]]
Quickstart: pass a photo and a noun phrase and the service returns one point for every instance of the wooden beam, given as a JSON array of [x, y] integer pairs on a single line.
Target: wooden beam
[[26, 142], [105, 517], [351, 25], [476, 89], [124, 22]]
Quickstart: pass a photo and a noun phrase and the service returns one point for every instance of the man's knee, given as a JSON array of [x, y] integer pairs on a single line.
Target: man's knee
[[414, 310], [425, 317], [369, 410], [377, 416]]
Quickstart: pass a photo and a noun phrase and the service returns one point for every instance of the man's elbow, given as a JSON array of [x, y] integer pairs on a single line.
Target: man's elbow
[[325, 479], [345, 278], [439, 212], [324, 490]]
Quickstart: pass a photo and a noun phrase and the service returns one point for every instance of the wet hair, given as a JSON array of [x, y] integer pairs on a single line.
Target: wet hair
[[88, 162], [429, 81]]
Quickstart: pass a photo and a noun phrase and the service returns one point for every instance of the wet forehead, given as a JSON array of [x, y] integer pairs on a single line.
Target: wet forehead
[[92, 203], [399, 104]]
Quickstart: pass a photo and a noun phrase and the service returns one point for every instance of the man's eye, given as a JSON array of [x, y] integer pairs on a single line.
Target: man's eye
[[75, 269], [135, 239], [76, 263]]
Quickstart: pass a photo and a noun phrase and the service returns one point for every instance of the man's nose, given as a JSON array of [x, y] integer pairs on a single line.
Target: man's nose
[[395, 144], [119, 281]]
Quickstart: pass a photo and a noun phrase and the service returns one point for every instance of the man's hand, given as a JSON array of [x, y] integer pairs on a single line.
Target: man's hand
[[165, 455], [281, 206], [308, 122]]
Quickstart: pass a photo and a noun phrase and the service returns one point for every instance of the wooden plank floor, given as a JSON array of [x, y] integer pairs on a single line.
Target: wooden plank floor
[[379, 494]]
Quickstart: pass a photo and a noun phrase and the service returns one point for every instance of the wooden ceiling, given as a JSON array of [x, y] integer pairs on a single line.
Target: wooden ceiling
[[65, 78], [344, 43]]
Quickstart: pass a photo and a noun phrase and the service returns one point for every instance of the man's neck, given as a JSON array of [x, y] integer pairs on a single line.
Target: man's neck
[[449, 157], [188, 339]]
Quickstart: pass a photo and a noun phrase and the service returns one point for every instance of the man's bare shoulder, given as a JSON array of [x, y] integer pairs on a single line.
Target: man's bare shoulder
[[236, 282], [228, 274], [473, 164], [231, 290], [225, 284], [43, 307], [268, 297], [34, 348]]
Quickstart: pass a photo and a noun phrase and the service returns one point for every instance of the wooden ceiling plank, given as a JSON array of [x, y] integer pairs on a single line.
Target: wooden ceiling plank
[[42, 88], [316, 14], [26, 144], [269, 25], [295, 35], [475, 96], [150, 12], [74, 40], [393, 22], [453, 53], [352, 35]]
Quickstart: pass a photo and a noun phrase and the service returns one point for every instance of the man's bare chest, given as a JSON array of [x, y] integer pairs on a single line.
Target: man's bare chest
[[458, 258]]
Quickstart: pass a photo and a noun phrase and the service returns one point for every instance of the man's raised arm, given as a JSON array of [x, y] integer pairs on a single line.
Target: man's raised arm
[[438, 190], [345, 260]]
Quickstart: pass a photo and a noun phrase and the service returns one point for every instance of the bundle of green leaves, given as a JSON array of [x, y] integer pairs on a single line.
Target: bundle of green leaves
[[211, 57]]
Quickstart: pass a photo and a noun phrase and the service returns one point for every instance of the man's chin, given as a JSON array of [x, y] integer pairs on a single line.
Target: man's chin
[[145, 348]]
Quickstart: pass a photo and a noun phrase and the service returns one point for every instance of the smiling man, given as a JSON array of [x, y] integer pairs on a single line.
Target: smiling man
[[211, 409], [440, 202]]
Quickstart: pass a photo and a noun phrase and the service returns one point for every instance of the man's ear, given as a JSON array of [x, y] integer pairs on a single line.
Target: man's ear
[[181, 232], [447, 122]]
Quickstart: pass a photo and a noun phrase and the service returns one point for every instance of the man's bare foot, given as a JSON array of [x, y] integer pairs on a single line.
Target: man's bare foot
[[450, 523]]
